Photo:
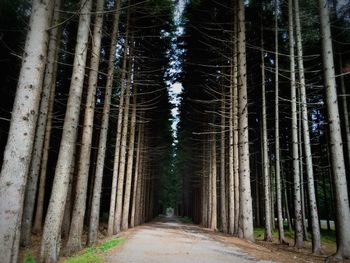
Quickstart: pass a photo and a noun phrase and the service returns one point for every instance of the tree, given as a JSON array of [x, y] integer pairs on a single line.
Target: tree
[[335, 138], [223, 166], [95, 210], [50, 244], [77, 222], [265, 153], [48, 84], [316, 235], [130, 161], [296, 171], [213, 190], [277, 136], [123, 142], [244, 169], [17, 155]]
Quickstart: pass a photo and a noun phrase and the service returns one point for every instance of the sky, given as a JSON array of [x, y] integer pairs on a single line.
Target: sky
[[175, 89]]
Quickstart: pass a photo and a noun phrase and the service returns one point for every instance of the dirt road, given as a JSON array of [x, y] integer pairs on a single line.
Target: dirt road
[[168, 240]]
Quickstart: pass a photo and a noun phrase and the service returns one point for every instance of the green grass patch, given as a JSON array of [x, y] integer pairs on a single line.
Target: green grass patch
[[259, 232], [29, 259], [94, 254], [328, 237]]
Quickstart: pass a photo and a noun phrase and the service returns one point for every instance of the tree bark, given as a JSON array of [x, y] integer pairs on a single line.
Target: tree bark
[[316, 234], [302, 192], [265, 152], [345, 110], [77, 223], [244, 169], [66, 221], [17, 154], [296, 170], [233, 150], [50, 245], [38, 221], [223, 166], [130, 163], [101, 154], [236, 133], [135, 191], [213, 216], [335, 138], [122, 159], [48, 84], [277, 136]]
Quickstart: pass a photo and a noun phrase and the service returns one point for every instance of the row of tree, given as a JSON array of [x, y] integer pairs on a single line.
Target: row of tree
[[288, 158], [90, 129]]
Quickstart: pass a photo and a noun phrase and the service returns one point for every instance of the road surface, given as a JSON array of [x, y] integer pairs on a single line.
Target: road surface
[[169, 241]]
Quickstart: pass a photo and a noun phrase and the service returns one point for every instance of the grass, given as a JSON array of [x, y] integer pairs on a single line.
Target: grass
[[260, 231], [326, 236], [29, 259], [93, 254]]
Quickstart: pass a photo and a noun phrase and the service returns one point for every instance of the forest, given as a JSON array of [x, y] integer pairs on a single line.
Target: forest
[[95, 139]]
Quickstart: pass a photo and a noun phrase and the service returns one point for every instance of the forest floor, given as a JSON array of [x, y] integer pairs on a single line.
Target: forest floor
[[170, 239]]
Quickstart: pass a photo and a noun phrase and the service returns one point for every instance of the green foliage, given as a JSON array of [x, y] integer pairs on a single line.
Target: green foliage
[[159, 6], [94, 254], [195, 3]]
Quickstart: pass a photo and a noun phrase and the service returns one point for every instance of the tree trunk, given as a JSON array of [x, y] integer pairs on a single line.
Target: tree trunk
[[130, 162], [136, 175], [38, 221], [257, 194], [236, 133], [272, 196], [335, 138], [17, 155], [210, 181], [110, 230], [213, 216], [48, 84], [66, 221], [345, 110], [101, 154], [286, 205], [302, 192], [77, 223], [244, 169], [122, 159], [50, 245], [265, 152], [296, 170], [316, 234], [233, 132], [277, 136], [223, 166]]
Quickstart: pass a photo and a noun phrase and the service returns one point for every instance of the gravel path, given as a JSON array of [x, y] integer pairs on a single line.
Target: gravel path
[[168, 241]]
